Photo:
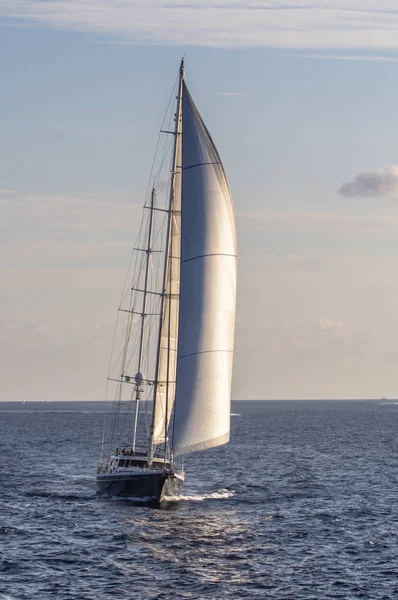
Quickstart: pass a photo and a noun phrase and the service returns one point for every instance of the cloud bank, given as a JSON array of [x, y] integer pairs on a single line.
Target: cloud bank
[[377, 183], [223, 23]]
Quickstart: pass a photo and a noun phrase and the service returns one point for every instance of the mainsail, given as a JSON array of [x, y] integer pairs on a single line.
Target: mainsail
[[207, 292], [198, 312]]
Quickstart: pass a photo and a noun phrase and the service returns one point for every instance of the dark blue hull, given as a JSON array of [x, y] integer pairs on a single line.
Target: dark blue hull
[[144, 486]]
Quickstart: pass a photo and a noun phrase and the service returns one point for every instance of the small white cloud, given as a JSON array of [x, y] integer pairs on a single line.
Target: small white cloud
[[377, 183], [331, 327]]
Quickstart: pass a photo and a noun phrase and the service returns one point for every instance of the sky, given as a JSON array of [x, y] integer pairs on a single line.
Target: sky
[[301, 99]]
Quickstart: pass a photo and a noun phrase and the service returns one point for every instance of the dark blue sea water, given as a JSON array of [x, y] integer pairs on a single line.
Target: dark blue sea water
[[302, 504]]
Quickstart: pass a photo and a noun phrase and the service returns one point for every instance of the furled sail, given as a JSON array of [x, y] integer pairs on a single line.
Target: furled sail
[[208, 292], [166, 376]]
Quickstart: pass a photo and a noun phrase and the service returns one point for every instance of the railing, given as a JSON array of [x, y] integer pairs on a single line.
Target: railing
[[104, 469]]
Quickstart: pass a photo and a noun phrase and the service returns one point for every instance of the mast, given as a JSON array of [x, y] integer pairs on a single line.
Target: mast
[[139, 376], [167, 266]]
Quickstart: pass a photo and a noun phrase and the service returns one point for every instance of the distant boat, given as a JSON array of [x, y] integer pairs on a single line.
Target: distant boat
[[192, 312], [23, 401]]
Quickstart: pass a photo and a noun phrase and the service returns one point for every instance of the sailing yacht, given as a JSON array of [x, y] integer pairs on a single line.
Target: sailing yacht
[[179, 384]]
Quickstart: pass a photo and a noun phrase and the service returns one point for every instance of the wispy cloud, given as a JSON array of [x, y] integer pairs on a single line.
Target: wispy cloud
[[351, 57], [230, 94], [277, 23], [376, 183], [320, 221]]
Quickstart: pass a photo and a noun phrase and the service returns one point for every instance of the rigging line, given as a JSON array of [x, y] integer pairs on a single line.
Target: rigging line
[[137, 269], [125, 289], [166, 150], [154, 318], [167, 142], [133, 351], [123, 427], [125, 355], [138, 266], [160, 155], [160, 169], [151, 309], [129, 329], [107, 441], [150, 324], [125, 350], [164, 217], [110, 368], [123, 296], [134, 348], [161, 227], [126, 343], [103, 430], [159, 135], [144, 300], [138, 239], [115, 421], [158, 234], [129, 326]]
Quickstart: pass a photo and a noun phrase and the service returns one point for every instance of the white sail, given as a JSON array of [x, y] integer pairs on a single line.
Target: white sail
[[166, 377], [208, 292]]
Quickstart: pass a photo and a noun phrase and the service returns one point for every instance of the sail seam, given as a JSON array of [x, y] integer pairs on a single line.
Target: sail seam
[[205, 255], [200, 165], [203, 352]]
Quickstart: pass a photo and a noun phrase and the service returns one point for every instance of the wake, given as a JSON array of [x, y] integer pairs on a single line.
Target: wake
[[222, 494]]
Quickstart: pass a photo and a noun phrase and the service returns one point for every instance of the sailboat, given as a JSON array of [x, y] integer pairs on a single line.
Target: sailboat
[[184, 400]]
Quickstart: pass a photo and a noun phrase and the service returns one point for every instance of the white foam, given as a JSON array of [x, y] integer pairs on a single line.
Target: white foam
[[218, 495]]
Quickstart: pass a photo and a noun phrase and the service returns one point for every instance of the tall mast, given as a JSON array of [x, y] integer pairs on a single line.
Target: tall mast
[[177, 141], [139, 376]]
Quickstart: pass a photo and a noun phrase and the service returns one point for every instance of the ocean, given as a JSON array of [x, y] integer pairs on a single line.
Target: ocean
[[301, 504]]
